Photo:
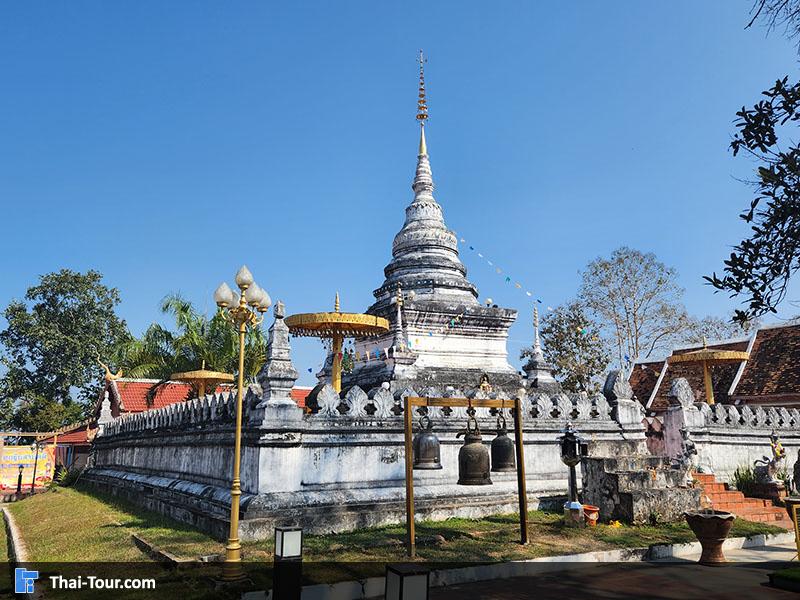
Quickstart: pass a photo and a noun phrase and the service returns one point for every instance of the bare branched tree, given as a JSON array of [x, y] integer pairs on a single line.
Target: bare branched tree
[[638, 301], [775, 14]]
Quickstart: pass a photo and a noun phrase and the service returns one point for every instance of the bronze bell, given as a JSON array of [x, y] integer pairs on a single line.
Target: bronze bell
[[473, 457], [503, 459], [427, 454]]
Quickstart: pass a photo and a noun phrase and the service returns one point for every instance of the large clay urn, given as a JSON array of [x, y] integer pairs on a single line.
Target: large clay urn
[[711, 528]]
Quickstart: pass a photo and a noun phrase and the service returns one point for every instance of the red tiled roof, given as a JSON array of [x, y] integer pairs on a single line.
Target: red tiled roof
[[643, 379], [770, 376], [77, 435], [130, 395], [773, 369], [722, 376], [133, 394], [299, 395]]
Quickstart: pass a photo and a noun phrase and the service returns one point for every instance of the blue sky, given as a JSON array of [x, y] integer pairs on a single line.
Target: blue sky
[[165, 144]]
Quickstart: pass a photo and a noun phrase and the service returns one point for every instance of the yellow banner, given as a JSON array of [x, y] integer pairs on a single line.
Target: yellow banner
[[14, 456]]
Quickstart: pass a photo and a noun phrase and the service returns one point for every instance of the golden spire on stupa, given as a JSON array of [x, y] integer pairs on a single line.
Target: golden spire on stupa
[[422, 105]]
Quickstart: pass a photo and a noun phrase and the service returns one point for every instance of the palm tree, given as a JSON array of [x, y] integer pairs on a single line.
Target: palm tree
[[197, 340]]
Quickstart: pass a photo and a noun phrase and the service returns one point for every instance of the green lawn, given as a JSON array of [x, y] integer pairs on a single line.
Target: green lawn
[[75, 525], [52, 523], [792, 573], [5, 573], [3, 541], [66, 524]]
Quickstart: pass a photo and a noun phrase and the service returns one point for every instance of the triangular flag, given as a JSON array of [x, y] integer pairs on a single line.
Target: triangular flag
[[480, 255], [529, 294], [518, 284], [508, 279]]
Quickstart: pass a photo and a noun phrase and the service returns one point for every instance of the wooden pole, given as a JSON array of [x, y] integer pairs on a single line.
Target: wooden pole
[[410, 533], [521, 487]]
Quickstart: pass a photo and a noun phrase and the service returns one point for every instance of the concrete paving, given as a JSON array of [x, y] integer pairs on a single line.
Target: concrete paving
[[743, 578]]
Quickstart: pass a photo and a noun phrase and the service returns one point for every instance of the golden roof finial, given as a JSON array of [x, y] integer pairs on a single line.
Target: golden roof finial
[[336, 303], [108, 376]]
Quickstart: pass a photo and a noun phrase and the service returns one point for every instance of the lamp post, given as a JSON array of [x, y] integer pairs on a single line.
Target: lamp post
[[287, 581], [35, 463], [240, 310], [572, 448]]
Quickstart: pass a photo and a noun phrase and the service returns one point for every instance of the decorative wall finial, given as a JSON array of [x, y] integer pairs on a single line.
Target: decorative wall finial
[[536, 343], [336, 303]]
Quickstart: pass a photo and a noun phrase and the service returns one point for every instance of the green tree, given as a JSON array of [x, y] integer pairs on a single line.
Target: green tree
[[572, 344], [760, 267], [50, 347], [196, 339]]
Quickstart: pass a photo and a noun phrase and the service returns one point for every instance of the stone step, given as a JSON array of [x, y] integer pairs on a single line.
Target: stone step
[[744, 506], [714, 488], [726, 496], [757, 510]]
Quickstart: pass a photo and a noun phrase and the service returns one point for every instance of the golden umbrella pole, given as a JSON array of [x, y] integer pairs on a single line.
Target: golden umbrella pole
[[707, 381], [336, 367]]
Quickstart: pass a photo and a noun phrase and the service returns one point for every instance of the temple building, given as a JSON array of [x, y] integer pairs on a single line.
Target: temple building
[[440, 334], [769, 376]]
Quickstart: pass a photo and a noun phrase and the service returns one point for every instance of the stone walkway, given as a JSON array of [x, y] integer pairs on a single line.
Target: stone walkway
[[679, 579]]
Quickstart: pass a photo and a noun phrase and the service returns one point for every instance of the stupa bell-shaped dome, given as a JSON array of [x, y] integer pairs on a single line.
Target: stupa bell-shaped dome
[[425, 252]]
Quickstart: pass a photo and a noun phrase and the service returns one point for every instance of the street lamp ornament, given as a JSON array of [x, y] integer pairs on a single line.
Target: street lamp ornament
[[242, 311], [573, 447]]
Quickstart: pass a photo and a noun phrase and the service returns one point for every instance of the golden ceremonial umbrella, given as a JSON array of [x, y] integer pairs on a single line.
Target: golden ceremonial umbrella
[[337, 326], [202, 379], [708, 357]]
